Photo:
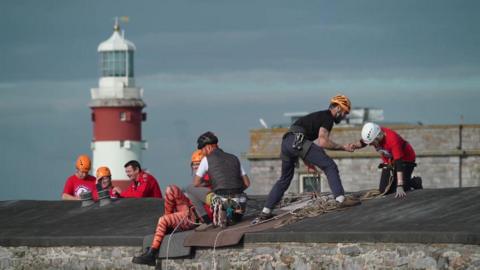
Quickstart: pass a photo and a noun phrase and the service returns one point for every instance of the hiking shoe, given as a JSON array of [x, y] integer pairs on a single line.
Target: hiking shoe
[[416, 182], [149, 257], [262, 217], [348, 202]]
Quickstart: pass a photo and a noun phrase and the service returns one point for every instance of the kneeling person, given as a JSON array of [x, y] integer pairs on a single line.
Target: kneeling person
[[398, 159]]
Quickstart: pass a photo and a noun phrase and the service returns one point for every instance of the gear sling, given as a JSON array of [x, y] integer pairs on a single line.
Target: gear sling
[[299, 143]]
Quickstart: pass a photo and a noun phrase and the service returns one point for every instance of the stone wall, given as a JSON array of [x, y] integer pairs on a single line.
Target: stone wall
[[302, 256], [68, 258], [447, 156]]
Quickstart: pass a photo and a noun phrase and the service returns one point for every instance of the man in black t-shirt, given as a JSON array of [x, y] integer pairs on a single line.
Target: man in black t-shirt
[[307, 138]]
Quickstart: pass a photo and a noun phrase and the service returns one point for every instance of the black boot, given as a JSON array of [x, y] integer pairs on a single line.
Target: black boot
[[416, 182], [149, 257]]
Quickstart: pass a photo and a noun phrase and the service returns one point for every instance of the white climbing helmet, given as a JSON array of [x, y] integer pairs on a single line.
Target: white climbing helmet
[[370, 131]]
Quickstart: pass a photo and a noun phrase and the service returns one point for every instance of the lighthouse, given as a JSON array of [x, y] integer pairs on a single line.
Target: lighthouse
[[117, 106]]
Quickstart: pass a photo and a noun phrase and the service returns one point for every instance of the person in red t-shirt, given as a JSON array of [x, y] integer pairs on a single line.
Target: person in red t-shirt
[[142, 184], [398, 159], [81, 181]]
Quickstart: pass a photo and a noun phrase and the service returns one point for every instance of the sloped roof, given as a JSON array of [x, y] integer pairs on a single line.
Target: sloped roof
[[425, 216]]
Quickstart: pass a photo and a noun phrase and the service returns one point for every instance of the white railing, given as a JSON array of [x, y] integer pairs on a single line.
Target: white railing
[[117, 93]]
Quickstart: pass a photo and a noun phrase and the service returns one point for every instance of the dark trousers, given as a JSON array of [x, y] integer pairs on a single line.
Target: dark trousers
[[316, 156], [407, 178]]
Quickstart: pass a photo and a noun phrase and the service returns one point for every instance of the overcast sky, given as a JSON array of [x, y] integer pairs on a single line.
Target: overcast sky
[[220, 66]]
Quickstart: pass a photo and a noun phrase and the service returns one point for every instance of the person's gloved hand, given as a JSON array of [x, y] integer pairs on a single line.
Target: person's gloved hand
[[400, 192]]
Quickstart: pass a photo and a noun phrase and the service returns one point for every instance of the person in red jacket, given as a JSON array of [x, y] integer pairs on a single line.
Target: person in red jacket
[[398, 159], [81, 181], [142, 184]]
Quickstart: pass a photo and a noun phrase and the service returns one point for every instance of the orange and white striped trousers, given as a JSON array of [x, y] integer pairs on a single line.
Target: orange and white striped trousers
[[178, 210]]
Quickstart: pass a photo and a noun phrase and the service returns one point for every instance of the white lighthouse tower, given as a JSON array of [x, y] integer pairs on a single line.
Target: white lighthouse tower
[[117, 109]]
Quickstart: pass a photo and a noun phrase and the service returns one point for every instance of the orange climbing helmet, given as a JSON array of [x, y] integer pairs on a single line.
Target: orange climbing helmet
[[342, 101], [83, 163], [102, 172], [197, 156]]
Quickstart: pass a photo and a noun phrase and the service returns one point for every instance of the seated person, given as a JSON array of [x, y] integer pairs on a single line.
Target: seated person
[[142, 184], [104, 181], [227, 178], [81, 181], [179, 211]]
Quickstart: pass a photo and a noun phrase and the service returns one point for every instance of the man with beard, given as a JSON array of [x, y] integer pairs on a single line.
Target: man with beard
[[307, 138]]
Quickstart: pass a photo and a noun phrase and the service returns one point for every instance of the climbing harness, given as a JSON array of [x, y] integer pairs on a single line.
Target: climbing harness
[[228, 210], [298, 141]]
